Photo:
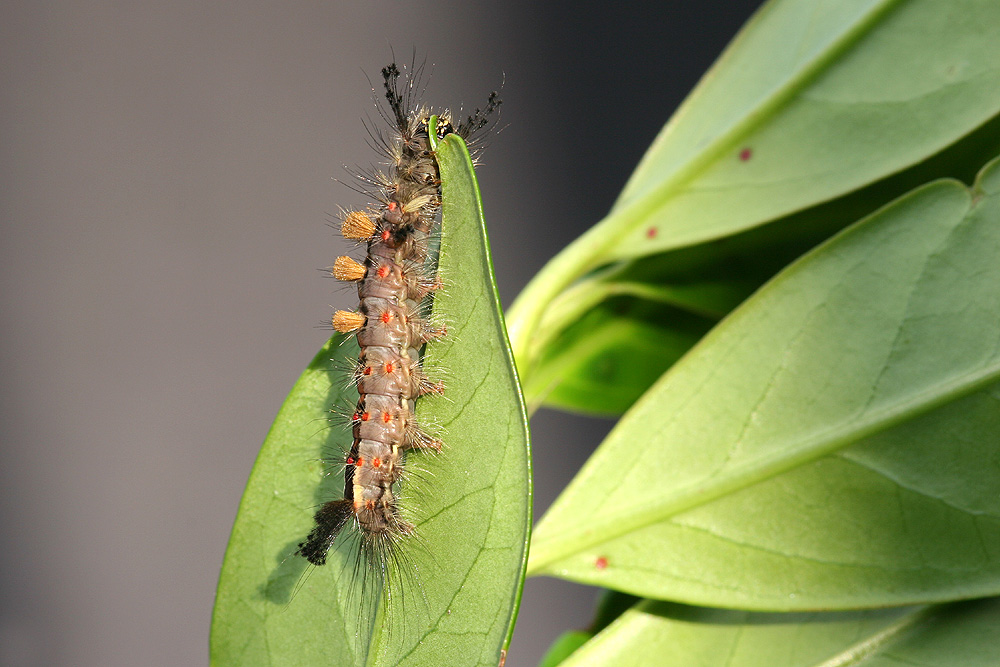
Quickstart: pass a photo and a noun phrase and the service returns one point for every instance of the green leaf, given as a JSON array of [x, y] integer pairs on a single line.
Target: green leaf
[[644, 308], [662, 634], [471, 503], [810, 101], [831, 444], [826, 97], [600, 350]]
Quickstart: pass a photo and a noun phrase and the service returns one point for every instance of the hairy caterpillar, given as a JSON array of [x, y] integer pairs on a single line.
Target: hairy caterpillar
[[395, 285]]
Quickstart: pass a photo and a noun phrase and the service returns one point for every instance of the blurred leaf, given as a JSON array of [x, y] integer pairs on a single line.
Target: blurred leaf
[[563, 647], [804, 455], [610, 606], [622, 344], [471, 506], [662, 634]]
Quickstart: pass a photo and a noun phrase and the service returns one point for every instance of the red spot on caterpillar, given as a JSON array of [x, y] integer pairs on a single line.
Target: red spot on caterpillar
[[360, 462], [365, 416], [355, 417], [386, 418], [601, 562], [389, 367], [350, 460], [745, 154], [383, 271], [392, 206], [376, 462], [386, 317], [651, 233], [386, 234], [368, 370]]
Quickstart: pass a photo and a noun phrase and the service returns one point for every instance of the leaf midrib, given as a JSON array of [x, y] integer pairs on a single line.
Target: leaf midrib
[[860, 651], [602, 529]]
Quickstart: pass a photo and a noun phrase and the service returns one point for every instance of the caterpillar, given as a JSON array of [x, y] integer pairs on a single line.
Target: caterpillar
[[395, 286]]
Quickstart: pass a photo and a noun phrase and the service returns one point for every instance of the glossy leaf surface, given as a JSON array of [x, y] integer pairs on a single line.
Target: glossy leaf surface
[[655, 308]]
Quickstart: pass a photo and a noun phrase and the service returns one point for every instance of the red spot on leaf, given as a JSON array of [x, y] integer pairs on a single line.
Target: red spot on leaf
[[601, 562], [651, 233], [745, 154]]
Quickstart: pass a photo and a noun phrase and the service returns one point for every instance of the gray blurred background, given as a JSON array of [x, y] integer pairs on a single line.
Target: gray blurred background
[[165, 183]]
